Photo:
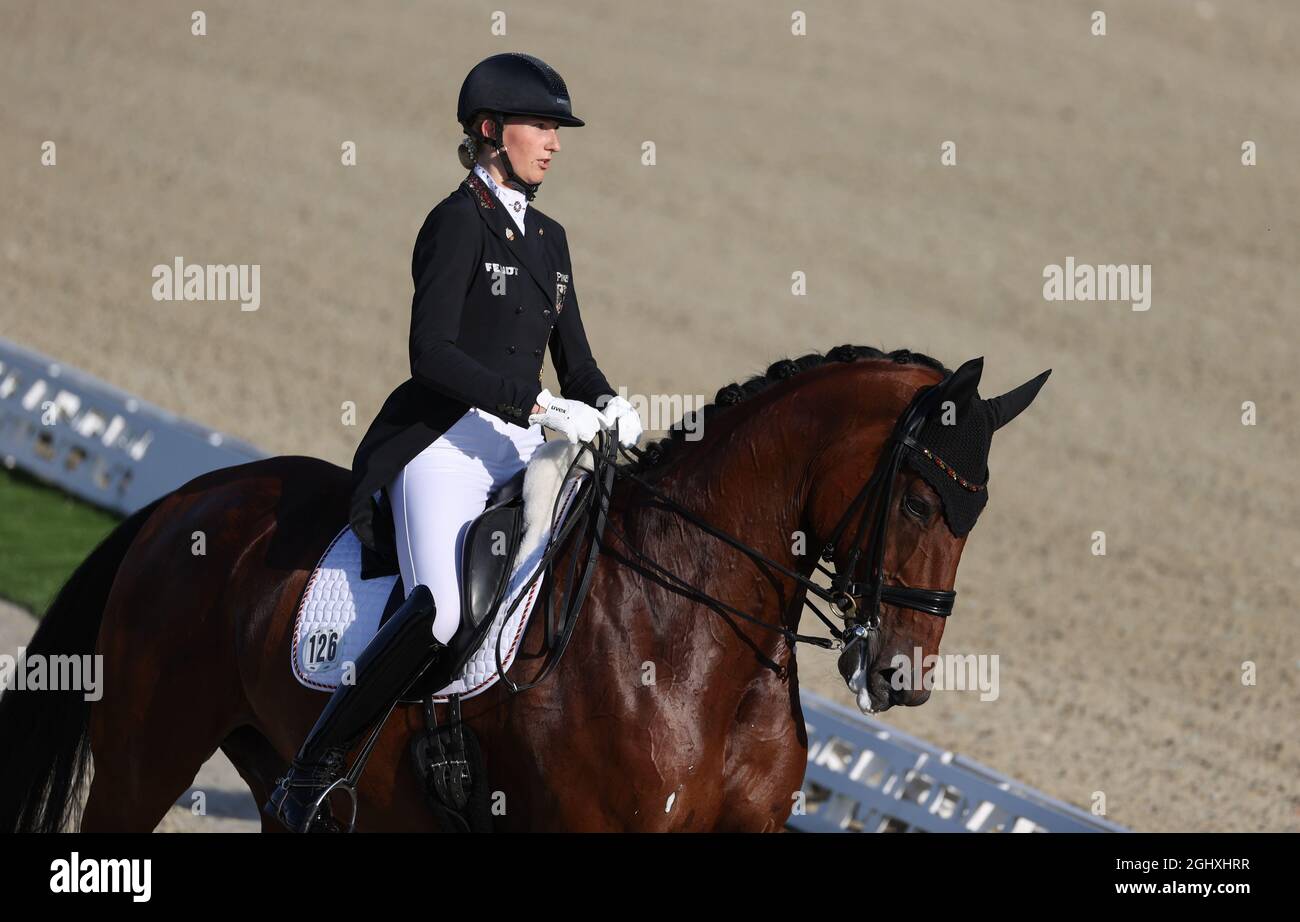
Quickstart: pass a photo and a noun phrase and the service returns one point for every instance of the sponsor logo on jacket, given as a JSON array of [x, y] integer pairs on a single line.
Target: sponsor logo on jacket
[[561, 288]]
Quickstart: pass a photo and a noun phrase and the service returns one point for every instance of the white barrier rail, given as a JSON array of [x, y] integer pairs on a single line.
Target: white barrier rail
[[96, 442], [866, 776]]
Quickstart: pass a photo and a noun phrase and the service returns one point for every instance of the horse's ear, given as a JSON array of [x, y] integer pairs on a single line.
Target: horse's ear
[[965, 380], [1004, 409]]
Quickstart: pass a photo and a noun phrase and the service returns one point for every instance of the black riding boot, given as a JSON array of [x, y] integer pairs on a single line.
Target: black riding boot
[[401, 650]]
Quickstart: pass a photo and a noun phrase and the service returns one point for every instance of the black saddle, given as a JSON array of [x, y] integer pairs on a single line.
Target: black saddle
[[491, 543]]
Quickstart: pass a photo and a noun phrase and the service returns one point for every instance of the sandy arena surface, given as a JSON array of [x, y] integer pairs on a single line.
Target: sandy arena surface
[[775, 153]]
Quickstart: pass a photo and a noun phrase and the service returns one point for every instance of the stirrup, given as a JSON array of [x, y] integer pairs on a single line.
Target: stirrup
[[314, 814]]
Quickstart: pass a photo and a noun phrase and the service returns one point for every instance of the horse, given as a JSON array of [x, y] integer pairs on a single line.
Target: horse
[[668, 712]]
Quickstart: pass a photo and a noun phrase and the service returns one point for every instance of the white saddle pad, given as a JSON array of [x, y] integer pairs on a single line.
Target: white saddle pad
[[339, 612]]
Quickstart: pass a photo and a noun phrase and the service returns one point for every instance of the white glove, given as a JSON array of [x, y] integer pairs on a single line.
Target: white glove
[[623, 418], [578, 421]]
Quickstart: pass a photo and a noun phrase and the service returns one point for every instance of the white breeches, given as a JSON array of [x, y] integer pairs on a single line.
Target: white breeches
[[444, 488]]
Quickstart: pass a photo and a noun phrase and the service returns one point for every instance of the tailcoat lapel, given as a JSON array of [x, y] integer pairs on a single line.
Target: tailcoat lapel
[[495, 215]]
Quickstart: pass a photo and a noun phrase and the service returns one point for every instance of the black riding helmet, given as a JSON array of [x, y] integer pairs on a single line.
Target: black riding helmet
[[513, 84]]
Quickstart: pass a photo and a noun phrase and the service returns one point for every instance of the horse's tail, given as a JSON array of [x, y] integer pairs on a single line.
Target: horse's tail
[[45, 735]]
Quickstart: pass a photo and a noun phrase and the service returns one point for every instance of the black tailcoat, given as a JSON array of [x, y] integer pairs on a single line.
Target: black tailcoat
[[471, 345]]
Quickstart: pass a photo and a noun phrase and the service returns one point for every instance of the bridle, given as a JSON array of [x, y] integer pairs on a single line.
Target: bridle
[[850, 594], [857, 601], [858, 641]]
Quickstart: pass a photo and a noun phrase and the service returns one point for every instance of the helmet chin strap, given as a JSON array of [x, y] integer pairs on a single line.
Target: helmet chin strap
[[528, 188]]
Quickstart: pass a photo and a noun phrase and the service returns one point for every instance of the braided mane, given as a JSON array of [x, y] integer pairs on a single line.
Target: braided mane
[[655, 454]]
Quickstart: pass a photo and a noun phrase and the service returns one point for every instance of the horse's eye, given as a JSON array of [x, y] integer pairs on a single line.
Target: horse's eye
[[916, 507]]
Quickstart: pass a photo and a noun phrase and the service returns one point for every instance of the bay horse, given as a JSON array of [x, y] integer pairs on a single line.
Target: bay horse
[[665, 714]]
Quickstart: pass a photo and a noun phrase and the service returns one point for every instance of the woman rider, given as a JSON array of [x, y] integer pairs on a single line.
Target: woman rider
[[493, 287]]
